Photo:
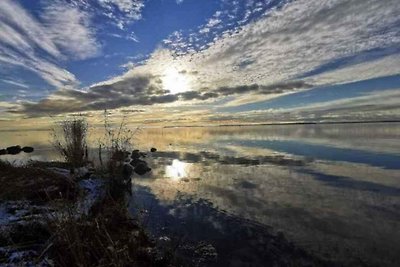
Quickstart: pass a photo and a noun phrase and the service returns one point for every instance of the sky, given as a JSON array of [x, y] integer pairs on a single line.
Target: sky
[[192, 62]]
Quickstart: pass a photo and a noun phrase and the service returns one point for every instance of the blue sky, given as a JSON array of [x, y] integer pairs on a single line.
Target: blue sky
[[198, 62]]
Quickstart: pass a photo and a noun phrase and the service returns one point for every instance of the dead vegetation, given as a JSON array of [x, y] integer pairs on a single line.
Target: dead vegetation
[[109, 237], [34, 183], [70, 140]]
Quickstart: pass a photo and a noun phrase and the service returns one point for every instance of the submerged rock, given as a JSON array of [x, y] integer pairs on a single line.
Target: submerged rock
[[14, 150]]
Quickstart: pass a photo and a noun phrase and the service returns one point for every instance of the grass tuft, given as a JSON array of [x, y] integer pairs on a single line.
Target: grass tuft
[[70, 139]]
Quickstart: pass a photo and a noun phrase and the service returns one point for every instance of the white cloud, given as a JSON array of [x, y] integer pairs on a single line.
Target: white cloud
[[295, 39], [131, 10], [70, 29], [24, 26], [385, 66], [281, 45], [379, 105], [19, 84], [64, 33], [375, 105]]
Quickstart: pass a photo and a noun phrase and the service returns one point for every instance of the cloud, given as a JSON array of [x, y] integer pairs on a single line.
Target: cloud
[[138, 90], [28, 43], [379, 105], [229, 18], [381, 67], [19, 84], [122, 12], [248, 49], [287, 42], [69, 28]]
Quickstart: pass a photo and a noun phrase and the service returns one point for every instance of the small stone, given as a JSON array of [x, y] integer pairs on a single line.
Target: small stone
[[153, 149], [27, 149]]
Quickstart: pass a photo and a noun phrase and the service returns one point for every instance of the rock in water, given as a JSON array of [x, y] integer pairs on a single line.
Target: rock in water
[[136, 162], [153, 149], [3, 152], [27, 149], [142, 168], [135, 154], [127, 171], [14, 150]]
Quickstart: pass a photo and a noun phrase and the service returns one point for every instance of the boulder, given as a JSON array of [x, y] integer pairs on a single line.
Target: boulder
[[14, 150], [153, 149], [142, 168], [135, 162], [135, 154], [27, 149]]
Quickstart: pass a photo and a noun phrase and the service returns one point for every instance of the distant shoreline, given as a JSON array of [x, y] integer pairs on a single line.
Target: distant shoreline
[[284, 124], [236, 125]]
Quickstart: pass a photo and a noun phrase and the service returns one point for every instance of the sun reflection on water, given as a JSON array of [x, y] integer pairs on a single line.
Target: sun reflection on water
[[177, 170]]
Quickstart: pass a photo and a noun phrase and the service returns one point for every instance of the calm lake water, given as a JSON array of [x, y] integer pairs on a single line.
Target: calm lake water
[[330, 189]]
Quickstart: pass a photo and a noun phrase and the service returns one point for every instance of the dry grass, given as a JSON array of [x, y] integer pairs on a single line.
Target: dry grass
[[33, 183], [107, 238], [115, 145], [70, 139], [113, 153]]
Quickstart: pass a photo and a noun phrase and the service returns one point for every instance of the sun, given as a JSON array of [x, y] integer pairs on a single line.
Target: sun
[[175, 82]]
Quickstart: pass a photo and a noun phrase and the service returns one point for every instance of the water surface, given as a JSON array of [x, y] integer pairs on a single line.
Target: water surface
[[333, 190]]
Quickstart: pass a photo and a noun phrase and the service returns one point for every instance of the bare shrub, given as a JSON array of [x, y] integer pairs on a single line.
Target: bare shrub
[[70, 140], [117, 142], [114, 150]]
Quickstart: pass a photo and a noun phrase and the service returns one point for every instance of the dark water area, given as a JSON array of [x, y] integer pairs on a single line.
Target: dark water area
[[245, 196]]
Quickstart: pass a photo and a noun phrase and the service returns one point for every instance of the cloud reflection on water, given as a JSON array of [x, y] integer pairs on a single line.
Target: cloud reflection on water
[[345, 203]]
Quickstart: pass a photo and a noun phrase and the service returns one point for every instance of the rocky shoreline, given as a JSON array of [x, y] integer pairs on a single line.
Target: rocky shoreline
[[14, 150], [44, 199]]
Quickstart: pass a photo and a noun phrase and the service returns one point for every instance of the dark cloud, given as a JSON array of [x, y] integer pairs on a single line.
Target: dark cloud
[[139, 90]]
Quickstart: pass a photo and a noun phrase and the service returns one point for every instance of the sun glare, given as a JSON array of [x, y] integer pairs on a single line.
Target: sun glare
[[175, 82], [176, 171]]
